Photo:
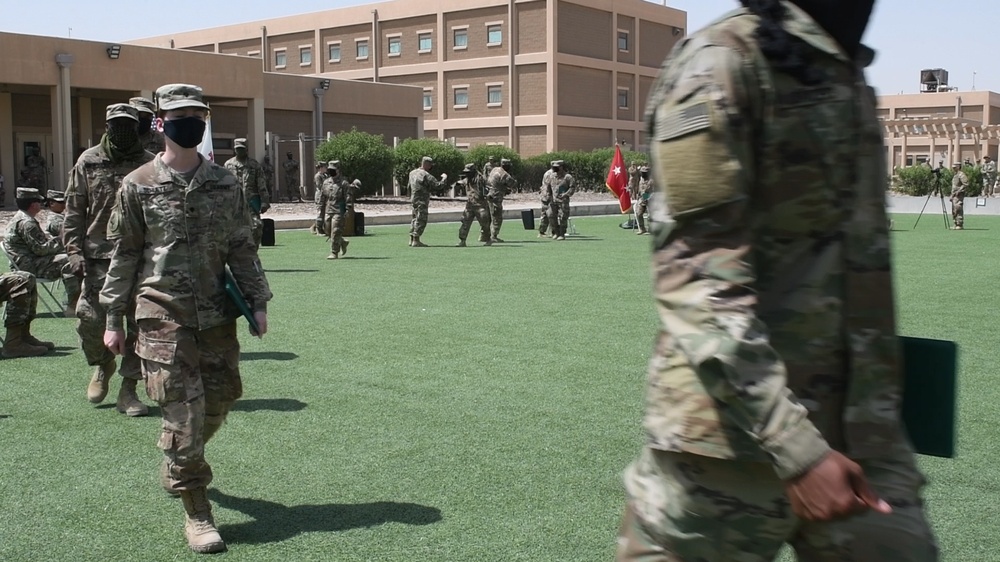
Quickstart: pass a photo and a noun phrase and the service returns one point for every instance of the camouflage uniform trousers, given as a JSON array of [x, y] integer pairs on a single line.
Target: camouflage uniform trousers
[[54, 267], [641, 211], [685, 508], [419, 222], [560, 215], [257, 228], [334, 229], [92, 320], [194, 376], [474, 211], [496, 215], [17, 289], [958, 210], [989, 181], [292, 187], [543, 223]]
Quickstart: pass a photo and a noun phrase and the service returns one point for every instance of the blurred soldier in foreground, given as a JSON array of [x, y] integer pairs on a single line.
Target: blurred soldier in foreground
[[333, 207], [18, 290], [475, 205], [499, 183], [179, 221], [959, 188], [251, 179], [772, 407], [90, 197], [421, 184]]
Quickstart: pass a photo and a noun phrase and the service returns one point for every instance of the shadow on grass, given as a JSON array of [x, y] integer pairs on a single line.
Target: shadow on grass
[[363, 258], [274, 522], [269, 355], [291, 270], [272, 404]]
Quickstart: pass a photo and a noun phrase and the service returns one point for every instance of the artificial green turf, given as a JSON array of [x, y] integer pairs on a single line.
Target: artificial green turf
[[439, 404]]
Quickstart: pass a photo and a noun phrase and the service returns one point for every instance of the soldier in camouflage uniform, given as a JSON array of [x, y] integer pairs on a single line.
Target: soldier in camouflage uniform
[[318, 180], [36, 171], [90, 197], [251, 179], [959, 188], [772, 407], [421, 183], [150, 138], [56, 202], [989, 176], [642, 190], [563, 187], [33, 250], [500, 183], [545, 194], [19, 291], [179, 221], [333, 205], [291, 167], [476, 205]]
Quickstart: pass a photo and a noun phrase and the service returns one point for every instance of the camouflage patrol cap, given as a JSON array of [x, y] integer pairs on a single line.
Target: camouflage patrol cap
[[335, 164], [321, 164], [426, 159], [504, 161], [29, 193], [121, 110], [240, 143], [470, 167], [56, 196], [177, 96], [956, 165], [143, 105]]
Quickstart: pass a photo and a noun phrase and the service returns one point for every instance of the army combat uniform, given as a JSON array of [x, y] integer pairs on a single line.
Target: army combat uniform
[[421, 183], [563, 187], [333, 206], [773, 284], [251, 179], [19, 291], [476, 205], [959, 187], [291, 168], [545, 195], [643, 191], [499, 183], [989, 177]]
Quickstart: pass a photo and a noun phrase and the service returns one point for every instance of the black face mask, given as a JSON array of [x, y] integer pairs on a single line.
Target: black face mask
[[644, 175], [241, 153], [145, 125], [844, 20], [123, 136], [186, 132]]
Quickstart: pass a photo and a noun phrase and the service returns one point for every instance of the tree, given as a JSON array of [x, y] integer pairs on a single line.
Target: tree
[[447, 159], [362, 156]]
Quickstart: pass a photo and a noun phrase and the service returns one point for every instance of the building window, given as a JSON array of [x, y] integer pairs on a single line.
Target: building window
[[428, 99], [494, 95], [461, 97], [361, 45], [622, 40], [280, 58], [622, 98], [334, 51], [424, 42], [494, 34], [254, 54], [461, 38], [305, 56], [395, 45]]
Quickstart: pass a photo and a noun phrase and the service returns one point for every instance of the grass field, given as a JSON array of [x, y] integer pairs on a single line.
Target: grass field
[[441, 404]]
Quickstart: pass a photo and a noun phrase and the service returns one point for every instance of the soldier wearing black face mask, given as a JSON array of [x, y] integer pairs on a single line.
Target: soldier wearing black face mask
[[151, 139]]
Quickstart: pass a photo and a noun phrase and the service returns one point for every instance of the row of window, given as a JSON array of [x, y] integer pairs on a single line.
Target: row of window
[[394, 42], [460, 95]]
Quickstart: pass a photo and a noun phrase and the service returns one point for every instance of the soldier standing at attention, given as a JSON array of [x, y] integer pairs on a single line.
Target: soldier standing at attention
[[476, 206], [56, 202], [989, 176], [333, 206], [179, 221], [150, 138], [500, 183], [489, 165], [563, 187], [421, 184], [772, 408], [318, 179], [291, 167], [545, 194], [643, 191], [959, 187], [19, 291], [90, 197], [267, 169], [251, 179]]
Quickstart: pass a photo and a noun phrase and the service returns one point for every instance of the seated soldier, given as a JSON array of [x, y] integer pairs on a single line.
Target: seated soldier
[[31, 249], [56, 202], [18, 290]]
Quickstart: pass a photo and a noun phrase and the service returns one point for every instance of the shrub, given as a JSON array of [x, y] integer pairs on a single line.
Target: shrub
[[362, 156], [921, 180], [589, 169], [447, 159]]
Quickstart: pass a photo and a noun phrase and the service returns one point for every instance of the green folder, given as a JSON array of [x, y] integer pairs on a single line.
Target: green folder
[[929, 394], [236, 295]]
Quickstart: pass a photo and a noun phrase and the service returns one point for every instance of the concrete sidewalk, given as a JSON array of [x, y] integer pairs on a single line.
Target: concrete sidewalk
[[973, 205]]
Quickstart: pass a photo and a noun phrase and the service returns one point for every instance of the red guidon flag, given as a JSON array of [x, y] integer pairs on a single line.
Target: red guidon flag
[[617, 181]]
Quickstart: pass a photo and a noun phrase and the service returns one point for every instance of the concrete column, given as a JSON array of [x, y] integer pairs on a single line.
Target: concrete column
[[512, 22], [304, 165], [255, 129], [902, 158], [442, 96], [552, 82], [64, 142], [931, 157], [7, 156], [86, 139]]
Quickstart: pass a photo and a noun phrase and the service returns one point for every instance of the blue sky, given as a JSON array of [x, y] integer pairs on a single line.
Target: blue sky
[[961, 36]]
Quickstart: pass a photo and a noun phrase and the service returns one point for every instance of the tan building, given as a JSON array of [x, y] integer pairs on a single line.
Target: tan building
[[534, 75], [940, 127], [54, 91]]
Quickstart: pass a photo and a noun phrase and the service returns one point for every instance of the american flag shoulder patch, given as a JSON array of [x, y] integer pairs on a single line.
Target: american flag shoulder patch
[[683, 121]]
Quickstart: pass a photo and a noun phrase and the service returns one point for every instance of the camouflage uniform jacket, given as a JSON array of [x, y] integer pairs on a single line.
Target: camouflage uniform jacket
[[500, 182], [152, 141], [333, 196], [251, 179], [90, 195], [772, 280], [959, 183], [562, 187], [54, 225], [26, 242], [475, 190], [421, 184], [173, 240], [546, 190]]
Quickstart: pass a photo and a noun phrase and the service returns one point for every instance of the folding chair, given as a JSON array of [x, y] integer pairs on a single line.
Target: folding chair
[[49, 287]]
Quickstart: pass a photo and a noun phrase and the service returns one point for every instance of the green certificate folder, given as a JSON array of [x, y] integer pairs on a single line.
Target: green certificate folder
[[236, 295], [929, 394]]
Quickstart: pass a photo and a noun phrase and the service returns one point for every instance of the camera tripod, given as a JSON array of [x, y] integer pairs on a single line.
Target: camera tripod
[[944, 210]]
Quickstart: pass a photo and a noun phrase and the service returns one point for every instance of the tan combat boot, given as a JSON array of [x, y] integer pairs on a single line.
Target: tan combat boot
[[98, 387], [128, 401], [17, 345], [199, 527], [417, 243], [343, 248], [332, 256], [461, 244], [35, 341]]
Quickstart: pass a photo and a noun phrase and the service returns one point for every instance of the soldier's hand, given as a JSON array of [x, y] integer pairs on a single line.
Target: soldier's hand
[[444, 177], [261, 319], [265, 209], [835, 488], [114, 340], [77, 265]]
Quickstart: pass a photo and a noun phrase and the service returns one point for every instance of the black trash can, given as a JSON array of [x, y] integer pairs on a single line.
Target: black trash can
[[528, 219], [267, 238]]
